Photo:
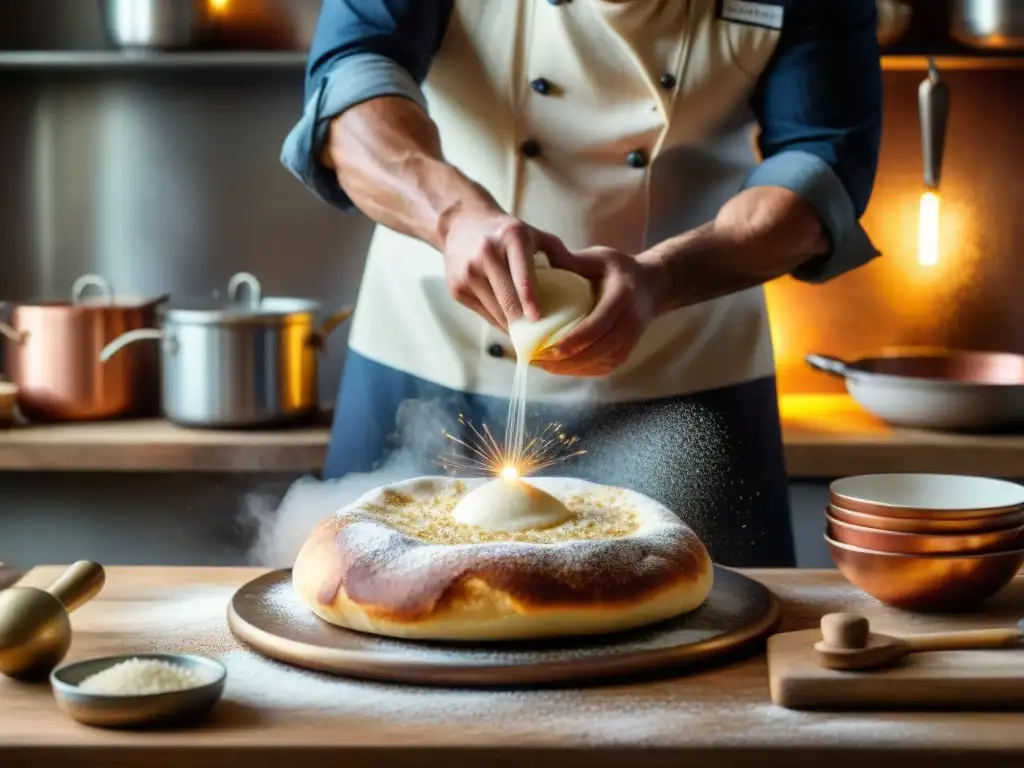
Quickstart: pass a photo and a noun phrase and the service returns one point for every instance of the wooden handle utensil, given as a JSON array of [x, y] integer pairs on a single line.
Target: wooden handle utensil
[[78, 584], [847, 642]]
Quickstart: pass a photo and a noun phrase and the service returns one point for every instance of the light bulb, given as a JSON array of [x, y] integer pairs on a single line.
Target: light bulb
[[510, 473], [928, 229]]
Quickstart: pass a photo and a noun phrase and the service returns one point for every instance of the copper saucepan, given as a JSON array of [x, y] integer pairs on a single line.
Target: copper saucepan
[[939, 389], [52, 352]]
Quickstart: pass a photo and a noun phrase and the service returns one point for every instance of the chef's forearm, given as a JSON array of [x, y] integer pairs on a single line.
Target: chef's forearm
[[759, 235], [387, 155]]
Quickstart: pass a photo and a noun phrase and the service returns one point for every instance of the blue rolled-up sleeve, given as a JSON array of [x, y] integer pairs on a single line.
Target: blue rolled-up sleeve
[[362, 50], [819, 107]]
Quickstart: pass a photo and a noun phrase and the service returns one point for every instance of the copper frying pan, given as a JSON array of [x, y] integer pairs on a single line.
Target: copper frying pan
[[926, 388]]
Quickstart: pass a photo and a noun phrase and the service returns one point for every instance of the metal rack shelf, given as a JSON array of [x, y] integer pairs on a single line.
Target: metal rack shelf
[[131, 60]]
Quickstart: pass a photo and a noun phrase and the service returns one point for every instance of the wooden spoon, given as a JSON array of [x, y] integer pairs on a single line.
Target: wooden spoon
[[847, 642]]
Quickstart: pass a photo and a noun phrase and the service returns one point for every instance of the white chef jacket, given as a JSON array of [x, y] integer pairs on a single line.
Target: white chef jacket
[[605, 122]]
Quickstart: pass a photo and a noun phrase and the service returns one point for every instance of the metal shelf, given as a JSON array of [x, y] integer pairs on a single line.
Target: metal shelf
[[130, 60]]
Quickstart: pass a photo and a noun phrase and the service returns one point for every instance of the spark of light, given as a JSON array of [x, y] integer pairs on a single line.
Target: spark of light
[[549, 447]]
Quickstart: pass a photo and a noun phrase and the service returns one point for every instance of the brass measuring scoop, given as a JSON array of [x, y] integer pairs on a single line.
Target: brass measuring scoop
[[35, 629]]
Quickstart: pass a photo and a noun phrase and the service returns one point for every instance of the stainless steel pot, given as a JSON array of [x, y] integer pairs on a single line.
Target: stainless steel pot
[[995, 24], [936, 389], [51, 349], [240, 363], [156, 24]]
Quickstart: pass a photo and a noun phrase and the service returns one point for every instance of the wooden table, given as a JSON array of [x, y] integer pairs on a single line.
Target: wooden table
[[273, 715], [825, 436]]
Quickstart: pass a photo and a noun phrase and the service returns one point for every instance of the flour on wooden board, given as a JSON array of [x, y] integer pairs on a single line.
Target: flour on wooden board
[[196, 623]]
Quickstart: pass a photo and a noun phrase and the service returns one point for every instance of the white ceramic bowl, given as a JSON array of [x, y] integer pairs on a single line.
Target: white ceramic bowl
[[924, 495]]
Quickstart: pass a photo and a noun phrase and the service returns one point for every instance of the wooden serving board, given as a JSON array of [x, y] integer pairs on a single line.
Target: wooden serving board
[[940, 680], [266, 615]]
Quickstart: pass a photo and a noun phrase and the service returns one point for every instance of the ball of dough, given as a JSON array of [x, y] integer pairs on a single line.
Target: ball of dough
[[565, 299], [510, 504]]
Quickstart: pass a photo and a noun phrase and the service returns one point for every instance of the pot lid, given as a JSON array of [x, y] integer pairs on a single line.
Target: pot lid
[[225, 310], [244, 302]]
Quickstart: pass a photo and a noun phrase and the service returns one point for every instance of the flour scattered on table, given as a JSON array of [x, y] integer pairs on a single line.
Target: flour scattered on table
[[676, 712], [608, 716], [192, 621], [687, 710]]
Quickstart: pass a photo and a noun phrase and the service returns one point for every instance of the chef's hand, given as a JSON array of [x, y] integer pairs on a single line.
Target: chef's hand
[[489, 265], [625, 307]]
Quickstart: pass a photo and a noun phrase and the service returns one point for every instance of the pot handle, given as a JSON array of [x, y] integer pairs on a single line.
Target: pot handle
[[16, 336], [159, 301], [122, 341], [249, 281], [830, 365], [329, 326], [85, 282]]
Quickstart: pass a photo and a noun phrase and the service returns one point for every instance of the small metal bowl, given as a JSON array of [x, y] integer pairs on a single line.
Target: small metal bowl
[[928, 527], [927, 496], [156, 24], [927, 583], [901, 543], [155, 709]]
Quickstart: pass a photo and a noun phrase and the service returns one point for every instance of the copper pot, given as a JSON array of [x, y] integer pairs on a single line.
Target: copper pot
[[899, 542], [52, 352]]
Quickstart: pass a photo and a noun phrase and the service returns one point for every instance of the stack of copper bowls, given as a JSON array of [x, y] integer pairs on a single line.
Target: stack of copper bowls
[[926, 542]]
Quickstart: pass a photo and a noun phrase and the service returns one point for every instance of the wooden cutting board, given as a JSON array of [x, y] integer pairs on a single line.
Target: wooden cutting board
[[940, 680]]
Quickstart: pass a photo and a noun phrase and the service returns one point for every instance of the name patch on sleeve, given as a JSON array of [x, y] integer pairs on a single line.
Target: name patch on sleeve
[[756, 14]]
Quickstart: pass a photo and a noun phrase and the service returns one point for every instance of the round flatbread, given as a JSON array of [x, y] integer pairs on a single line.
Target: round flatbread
[[397, 563]]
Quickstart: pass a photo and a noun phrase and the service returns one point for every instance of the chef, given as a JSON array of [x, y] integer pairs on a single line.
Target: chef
[[677, 153]]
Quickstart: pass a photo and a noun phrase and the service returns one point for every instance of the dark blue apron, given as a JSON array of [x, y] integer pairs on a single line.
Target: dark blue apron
[[714, 457]]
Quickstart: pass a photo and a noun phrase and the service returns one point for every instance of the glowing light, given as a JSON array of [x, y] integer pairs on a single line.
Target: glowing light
[[483, 455], [928, 229], [218, 6]]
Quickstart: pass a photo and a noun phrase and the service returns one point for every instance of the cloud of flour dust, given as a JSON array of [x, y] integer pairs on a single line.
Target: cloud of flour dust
[[281, 531]]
